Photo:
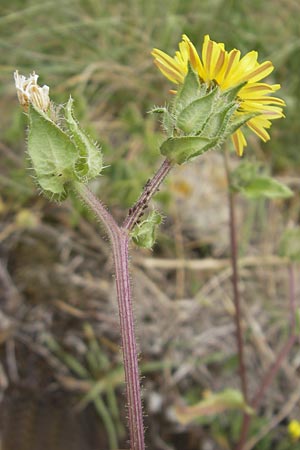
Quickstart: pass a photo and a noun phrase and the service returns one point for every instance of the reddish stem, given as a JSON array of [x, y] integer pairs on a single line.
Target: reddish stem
[[119, 239], [236, 296], [235, 283], [149, 190], [130, 354]]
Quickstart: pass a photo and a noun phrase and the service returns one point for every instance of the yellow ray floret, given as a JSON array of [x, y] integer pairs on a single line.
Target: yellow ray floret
[[227, 69]]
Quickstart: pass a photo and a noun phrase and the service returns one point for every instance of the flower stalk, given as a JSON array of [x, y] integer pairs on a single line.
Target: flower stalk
[[150, 188], [129, 347], [236, 296], [119, 239]]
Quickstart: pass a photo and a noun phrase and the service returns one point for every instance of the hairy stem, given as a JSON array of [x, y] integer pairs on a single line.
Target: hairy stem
[[97, 207], [235, 283], [133, 391], [236, 296], [119, 239], [151, 187], [237, 303]]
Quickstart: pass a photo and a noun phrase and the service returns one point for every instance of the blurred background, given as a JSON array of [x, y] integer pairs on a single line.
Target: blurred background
[[61, 366]]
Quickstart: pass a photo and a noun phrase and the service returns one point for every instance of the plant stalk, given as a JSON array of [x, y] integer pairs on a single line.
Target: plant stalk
[[150, 188], [237, 303], [235, 283], [130, 354], [119, 238], [236, 296]]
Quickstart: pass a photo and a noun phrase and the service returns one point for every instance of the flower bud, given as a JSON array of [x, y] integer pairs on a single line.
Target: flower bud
[[60, 151], [29, 92]]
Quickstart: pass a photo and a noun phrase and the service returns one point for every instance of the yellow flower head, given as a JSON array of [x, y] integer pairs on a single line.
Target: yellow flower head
[[294, 430], [226, 70]]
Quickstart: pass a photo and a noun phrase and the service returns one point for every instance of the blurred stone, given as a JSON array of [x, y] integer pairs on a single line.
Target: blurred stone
[[200, 189]]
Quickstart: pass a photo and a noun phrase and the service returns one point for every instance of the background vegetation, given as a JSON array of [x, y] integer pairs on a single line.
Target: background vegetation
[[59, 327]]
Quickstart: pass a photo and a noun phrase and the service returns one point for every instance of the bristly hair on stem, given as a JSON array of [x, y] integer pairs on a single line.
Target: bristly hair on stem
[[150, 188], [235, 282], [119, 238]]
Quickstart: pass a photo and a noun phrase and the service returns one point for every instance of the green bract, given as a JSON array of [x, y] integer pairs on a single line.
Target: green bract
[[184, 148], [60, 156], [144, 233], [89, 163], [199, 119]]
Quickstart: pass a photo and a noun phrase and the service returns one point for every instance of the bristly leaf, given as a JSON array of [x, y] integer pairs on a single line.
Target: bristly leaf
[[52, 153], [89, 163], [144, 233], [184, 148]]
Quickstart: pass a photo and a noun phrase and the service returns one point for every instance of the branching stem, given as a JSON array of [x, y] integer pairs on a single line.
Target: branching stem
[[119, 238], [151, 187]]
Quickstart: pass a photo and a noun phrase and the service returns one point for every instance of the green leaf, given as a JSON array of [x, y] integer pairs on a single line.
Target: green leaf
[[195, 115], [268, 187], [215, 403], [89, 163], [184, 148], [52, 153], [144, 233], [243, 174], [289, 245]]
